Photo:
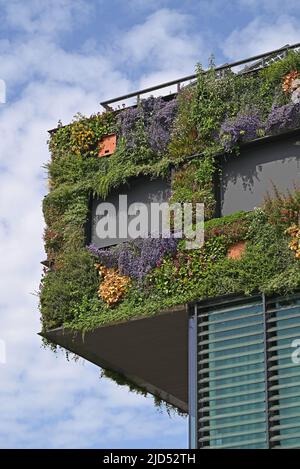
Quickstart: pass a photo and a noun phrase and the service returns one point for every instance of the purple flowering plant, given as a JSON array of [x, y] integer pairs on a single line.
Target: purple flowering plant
[[283, 118], [153, 118], [126, 124], [161, 123], [136, 258], [246, 127], [243, 128]]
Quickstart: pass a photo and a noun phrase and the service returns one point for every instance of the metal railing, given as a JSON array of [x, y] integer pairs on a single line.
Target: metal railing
[[260, 61]]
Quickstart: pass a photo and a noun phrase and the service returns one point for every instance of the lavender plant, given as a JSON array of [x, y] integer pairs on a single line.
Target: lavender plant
[[154, 117], [126, 121], [161, 124], [137, 257], [283, 118], [243, 128], [106, 257]]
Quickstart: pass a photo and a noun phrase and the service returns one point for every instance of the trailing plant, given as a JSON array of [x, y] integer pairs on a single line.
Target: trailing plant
[[194, 183], [121, 380]]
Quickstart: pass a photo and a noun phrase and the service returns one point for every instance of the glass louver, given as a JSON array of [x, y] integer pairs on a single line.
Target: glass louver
[[244, 386]]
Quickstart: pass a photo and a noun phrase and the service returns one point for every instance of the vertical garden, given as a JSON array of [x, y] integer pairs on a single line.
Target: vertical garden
[[84, 287]]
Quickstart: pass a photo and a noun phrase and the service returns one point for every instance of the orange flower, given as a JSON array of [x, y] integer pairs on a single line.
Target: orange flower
[[294, 244], [292, 230], [288, 79], [113, 285]]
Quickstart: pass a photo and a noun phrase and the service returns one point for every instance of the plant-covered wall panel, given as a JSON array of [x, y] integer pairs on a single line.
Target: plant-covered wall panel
[[85, 287]]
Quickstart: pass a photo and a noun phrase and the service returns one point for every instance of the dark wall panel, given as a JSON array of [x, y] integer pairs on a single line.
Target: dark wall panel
[[140, 189], [246, 178]]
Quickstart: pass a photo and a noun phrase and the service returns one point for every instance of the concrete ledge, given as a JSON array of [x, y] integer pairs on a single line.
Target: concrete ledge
[[151, 352]]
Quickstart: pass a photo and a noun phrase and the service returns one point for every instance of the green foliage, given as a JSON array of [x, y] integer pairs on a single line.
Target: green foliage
[[120, 169], [82, 136], [284, 282], [282, 207], [233, 227], [266, 257], [89, 314], [270, 89], [121, 380], [73, 279], [184, 138], [193, 183], [226, 220], [68, 294], [273, 74], [211, 105]]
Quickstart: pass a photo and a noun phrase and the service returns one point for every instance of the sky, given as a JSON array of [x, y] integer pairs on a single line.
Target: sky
[[57, 58]]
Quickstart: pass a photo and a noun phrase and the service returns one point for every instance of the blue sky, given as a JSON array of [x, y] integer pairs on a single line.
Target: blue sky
[[60, 57]]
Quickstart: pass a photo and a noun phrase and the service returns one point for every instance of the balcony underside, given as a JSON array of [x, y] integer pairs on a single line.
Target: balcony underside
[[150, 352]]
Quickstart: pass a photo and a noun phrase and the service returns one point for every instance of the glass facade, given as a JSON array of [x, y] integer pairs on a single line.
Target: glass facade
[[244, 385]]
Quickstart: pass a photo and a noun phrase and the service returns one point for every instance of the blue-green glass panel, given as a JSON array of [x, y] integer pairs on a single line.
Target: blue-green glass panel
[[284, 384], [231, 378]]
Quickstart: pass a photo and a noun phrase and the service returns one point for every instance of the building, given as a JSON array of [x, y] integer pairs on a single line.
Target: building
[[245, 392], [226, 359]]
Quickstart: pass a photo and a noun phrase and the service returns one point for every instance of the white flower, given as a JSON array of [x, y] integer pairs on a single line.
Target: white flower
[[295, 84], [296, 96]]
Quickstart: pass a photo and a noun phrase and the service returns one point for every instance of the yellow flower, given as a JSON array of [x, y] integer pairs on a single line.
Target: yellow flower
[[294, 244]]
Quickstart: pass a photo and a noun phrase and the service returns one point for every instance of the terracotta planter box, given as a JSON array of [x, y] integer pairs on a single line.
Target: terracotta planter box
[[107, 145], [236, 250]]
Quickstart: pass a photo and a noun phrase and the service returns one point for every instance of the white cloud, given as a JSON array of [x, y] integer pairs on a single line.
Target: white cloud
[[44, 60], [162, 48], [270, 6], [261, 35], [46, 401], [148, 4], [47, 17], [163, 41], [43, 399]]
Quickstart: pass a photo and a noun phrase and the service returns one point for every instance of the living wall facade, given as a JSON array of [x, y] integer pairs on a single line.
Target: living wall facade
[[196, 143]]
